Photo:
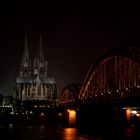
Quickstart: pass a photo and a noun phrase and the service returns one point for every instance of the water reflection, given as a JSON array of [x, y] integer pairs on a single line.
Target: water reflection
[[70, 133], [41, 132]]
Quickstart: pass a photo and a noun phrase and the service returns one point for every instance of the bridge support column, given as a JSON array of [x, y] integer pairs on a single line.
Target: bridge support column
[[71, 118], [100, 116]]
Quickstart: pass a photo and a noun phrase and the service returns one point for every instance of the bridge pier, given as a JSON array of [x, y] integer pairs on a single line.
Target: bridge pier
[[100, 116], [72, 117]]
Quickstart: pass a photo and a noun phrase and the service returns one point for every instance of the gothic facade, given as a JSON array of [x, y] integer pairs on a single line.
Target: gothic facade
[[33, 82]]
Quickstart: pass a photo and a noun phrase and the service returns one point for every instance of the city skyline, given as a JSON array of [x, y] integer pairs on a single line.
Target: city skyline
[[72, 43]]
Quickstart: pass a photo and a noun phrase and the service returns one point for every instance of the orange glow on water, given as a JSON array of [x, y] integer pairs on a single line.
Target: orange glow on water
[[70, 133], [72, 117]]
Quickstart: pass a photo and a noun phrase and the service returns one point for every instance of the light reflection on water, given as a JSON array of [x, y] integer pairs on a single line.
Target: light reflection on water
[[42, 132], [72, 134]]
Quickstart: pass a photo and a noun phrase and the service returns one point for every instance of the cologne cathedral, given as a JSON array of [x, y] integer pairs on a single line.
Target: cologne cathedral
[[33, 82]]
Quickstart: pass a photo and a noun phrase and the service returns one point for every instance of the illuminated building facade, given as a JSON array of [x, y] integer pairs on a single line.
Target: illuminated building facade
[[33, 82]]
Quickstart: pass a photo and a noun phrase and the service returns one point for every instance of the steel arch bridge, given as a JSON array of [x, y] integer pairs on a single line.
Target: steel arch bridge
[[115, 74], [69, 94]]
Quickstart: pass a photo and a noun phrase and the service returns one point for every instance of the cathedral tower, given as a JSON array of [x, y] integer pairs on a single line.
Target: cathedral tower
[[25, 66], [33, 82], [40, 63]]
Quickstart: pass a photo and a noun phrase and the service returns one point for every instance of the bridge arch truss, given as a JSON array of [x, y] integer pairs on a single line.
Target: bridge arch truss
[[69, 94], [115, 74]]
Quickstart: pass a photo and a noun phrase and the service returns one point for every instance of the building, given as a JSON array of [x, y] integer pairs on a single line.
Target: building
[[33, 82]]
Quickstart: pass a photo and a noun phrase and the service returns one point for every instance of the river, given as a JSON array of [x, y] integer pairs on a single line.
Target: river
[[45, 132], [41, 132]]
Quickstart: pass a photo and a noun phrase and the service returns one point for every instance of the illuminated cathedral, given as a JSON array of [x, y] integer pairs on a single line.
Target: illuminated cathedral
[[33, 82]]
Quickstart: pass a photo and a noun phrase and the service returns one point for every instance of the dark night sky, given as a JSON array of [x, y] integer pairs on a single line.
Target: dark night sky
[[72, 42]]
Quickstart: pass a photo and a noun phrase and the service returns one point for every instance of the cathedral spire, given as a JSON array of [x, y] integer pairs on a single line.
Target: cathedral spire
[[25, 56], [25, 68], [41, 53]]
